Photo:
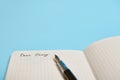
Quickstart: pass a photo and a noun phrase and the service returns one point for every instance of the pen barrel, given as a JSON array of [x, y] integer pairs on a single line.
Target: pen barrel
[[69, 75]]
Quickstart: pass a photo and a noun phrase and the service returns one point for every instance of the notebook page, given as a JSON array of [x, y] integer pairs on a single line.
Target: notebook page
[[104, 58], [39, 65]]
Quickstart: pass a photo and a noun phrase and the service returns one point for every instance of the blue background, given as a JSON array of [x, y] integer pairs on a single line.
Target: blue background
[[54, 24]]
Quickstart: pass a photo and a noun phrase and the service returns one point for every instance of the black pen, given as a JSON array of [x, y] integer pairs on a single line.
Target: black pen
[[64, 69]]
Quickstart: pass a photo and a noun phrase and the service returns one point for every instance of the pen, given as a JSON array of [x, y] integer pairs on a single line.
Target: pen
[[67, 73]]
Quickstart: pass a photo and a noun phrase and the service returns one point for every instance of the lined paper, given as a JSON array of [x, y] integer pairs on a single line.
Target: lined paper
[[39, 65], [104, 58]]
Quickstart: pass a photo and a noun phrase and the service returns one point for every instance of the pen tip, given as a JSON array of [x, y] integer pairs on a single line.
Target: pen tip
[[57, 58]]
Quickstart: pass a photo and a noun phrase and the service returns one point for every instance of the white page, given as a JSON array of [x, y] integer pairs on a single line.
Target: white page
[[104, 58], [43, 67]]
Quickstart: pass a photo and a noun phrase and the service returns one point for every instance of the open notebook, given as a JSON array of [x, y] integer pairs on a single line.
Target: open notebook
[[100, 61]]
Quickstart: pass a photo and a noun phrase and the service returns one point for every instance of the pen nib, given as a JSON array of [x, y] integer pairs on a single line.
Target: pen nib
[[57, 59]]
